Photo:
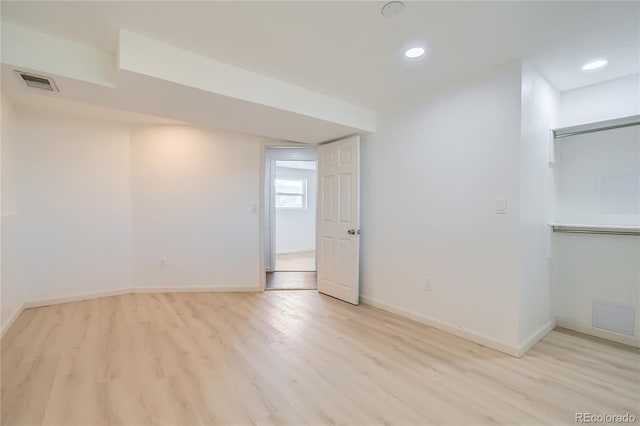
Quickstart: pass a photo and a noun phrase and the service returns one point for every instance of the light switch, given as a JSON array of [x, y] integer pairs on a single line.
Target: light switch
[[501, 206]]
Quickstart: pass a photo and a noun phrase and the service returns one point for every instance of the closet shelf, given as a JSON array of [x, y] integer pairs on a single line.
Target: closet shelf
[[576, 228]]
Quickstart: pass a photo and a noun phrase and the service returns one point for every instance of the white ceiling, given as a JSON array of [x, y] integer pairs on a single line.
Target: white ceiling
[[347, 50], [157, 79]]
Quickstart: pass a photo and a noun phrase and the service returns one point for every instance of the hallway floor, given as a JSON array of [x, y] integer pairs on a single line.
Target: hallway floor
[[302, 261]]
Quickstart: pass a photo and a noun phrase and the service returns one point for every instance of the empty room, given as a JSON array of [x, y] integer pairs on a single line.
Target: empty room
[[320, 213]]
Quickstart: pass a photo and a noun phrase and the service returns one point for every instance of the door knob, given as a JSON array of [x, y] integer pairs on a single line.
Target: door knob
[[353, 232]]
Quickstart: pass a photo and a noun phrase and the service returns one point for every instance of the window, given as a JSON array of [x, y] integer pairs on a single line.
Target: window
[[291, 193]]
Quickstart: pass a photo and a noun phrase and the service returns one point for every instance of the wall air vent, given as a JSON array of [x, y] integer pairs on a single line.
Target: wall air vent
[[38, 81], [618, 317]]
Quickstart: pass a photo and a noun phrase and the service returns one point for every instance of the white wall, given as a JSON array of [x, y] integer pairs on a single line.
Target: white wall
[[594, 267], [106, 207], [598, 177], [11, 294], [193, 199], [430, 179], [539, 114], [610, 99], [8, 127], [74, 198], [296, 229]]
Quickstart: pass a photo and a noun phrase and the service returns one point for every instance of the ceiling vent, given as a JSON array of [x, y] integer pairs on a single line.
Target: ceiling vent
[[38, 81]]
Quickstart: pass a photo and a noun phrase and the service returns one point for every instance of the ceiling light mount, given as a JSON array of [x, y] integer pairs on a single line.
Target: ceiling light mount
[[391, 9], [595, 64]]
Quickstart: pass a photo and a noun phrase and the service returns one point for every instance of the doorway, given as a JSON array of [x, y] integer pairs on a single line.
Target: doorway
[[337, 225], [295, 210], [291, 192]]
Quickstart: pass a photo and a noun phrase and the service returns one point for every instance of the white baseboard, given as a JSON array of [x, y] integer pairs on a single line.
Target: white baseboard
[[295, 251], [76, 298], [536, 337], [118, 292], [465, 334], [11, 320], [599, 332], [195, 289]]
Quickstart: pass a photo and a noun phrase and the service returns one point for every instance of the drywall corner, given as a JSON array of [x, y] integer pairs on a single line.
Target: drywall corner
[[538, 115]]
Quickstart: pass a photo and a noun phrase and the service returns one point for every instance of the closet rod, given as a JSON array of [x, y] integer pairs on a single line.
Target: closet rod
[[581, 129], [575, 229]]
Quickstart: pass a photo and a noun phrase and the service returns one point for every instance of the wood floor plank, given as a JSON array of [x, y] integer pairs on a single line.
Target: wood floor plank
[[294, 357]]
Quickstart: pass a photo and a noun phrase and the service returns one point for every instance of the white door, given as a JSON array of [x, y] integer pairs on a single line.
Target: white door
[[338, 219]]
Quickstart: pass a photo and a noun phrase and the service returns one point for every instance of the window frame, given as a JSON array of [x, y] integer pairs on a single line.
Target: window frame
[[303, 194]]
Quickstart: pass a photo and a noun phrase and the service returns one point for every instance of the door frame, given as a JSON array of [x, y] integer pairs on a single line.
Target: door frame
[[271, 155]]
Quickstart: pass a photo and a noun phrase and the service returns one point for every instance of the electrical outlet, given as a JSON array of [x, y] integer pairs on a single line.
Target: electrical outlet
[[427, 285]]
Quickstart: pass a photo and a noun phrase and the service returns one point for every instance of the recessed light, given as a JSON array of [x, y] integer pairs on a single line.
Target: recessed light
[[594, 65], [414, 52]]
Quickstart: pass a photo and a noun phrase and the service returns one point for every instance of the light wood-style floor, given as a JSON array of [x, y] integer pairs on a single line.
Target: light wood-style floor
[[297, 280], [292, 357], [303, 261]]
